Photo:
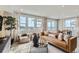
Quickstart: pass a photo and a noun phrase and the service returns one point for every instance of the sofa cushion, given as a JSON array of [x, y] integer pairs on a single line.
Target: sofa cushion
[[59, 43], [56, 42]]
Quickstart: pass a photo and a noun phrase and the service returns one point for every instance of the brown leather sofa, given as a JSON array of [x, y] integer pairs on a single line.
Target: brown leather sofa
[[68, 46]]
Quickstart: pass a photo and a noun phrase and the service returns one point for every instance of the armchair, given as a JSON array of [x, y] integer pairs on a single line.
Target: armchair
[[24, 38]]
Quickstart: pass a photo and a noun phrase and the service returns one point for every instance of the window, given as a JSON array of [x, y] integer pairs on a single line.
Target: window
[[69, 23], [51, 25], [73, 23], [22, 19], [31, 22], [22, 23], [39, 23]]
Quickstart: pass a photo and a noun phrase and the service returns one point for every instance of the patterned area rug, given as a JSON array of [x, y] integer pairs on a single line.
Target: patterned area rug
[[20, 48], [27, 48]]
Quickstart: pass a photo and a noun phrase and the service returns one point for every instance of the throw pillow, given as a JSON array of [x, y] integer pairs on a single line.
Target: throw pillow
[[66, 37], [60, 36], [51, 35], [45, 33]]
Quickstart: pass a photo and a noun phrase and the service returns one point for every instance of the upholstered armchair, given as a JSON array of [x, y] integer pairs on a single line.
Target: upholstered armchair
[[24, 38]]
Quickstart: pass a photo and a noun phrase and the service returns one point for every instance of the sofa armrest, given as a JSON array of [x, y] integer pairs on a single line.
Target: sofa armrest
[[72, 44]]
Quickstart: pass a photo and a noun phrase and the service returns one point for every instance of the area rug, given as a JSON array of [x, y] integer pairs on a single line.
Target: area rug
[[27, 48]]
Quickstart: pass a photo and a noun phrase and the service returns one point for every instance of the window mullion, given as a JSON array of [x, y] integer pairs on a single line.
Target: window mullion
[[35, 22], [51, 25]]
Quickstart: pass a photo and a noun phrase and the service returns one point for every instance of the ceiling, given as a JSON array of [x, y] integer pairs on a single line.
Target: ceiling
[[51, 11]]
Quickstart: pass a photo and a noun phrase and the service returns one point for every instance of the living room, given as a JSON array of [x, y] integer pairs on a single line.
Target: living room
[[51, 23]]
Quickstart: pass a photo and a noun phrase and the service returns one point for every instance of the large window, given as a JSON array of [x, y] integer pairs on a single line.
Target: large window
[[34, 22], [22, 23], [39, 23], [69, 23], [52, 25], [31, 22]]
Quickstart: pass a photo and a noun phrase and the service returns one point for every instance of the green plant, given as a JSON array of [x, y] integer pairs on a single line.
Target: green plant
[[10, 22]]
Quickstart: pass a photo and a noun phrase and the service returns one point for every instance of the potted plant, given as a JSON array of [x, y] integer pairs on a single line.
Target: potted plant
[[10, 22]]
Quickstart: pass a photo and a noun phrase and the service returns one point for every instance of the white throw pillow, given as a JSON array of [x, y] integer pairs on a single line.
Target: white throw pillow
[[60, 36], [66, 37], [51, 35]]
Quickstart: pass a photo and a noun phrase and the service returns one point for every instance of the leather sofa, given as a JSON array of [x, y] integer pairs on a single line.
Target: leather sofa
[[68, 46]]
